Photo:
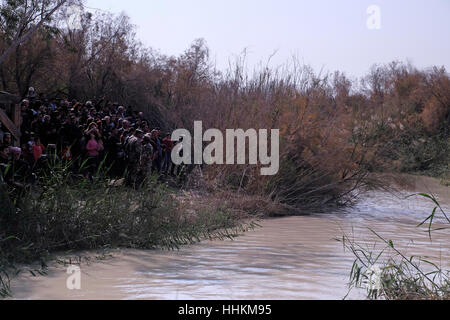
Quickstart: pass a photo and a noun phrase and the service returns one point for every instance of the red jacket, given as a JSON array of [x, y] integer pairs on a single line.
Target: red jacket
[[169, 144], [38, 150]]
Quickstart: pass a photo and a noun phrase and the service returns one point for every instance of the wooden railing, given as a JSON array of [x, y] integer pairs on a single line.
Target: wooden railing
[[13, 126], [11, 102]]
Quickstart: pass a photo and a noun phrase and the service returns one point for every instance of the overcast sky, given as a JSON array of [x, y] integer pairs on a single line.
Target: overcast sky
[[327, 34]]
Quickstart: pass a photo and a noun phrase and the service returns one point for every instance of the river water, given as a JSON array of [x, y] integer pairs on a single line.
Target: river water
[[287, 258]]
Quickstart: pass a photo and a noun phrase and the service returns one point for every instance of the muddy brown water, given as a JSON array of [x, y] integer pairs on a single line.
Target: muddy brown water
[[287, 258]]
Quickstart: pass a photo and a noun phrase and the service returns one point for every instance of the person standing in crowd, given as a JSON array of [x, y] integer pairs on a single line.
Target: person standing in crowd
[[4, 155], [121, 112], [38, 149], [115, 155], [7, 140], [93, 147], [67, 154], [31, 94], [146, 156], [134, 151]]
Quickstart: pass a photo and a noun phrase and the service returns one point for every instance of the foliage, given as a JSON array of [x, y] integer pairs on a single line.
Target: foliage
[[68, 213], [400, 277]]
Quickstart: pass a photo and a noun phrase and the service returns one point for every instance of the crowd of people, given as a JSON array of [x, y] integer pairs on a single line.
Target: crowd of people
[[85, 135]]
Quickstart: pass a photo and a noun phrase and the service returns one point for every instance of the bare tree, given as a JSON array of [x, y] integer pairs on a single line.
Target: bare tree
[[29, 16]]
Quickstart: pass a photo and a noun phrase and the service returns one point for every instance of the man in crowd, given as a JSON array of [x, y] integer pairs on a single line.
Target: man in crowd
[[134, 151], [146, 156]]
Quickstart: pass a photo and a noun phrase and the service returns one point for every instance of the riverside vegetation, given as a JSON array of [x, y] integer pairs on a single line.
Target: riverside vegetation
[[67, 213], [400, 277], [335, 132]]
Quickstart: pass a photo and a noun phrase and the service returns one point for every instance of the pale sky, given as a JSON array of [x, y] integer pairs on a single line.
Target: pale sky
[[328, 34]]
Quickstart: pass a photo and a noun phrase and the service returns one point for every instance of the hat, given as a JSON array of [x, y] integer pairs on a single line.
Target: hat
[[148, 137]]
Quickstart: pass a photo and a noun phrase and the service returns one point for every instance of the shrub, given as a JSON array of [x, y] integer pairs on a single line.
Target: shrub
[[65, 212]]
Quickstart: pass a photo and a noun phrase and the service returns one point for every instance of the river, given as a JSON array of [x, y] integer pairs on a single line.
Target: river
[[287, 258]]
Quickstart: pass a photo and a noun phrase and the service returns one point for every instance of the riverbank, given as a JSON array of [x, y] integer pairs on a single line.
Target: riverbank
[[67, 214], [287, 258]]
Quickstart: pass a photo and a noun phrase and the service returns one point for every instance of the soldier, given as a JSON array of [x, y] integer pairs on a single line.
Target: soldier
[[146, 156], [134, 151]]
